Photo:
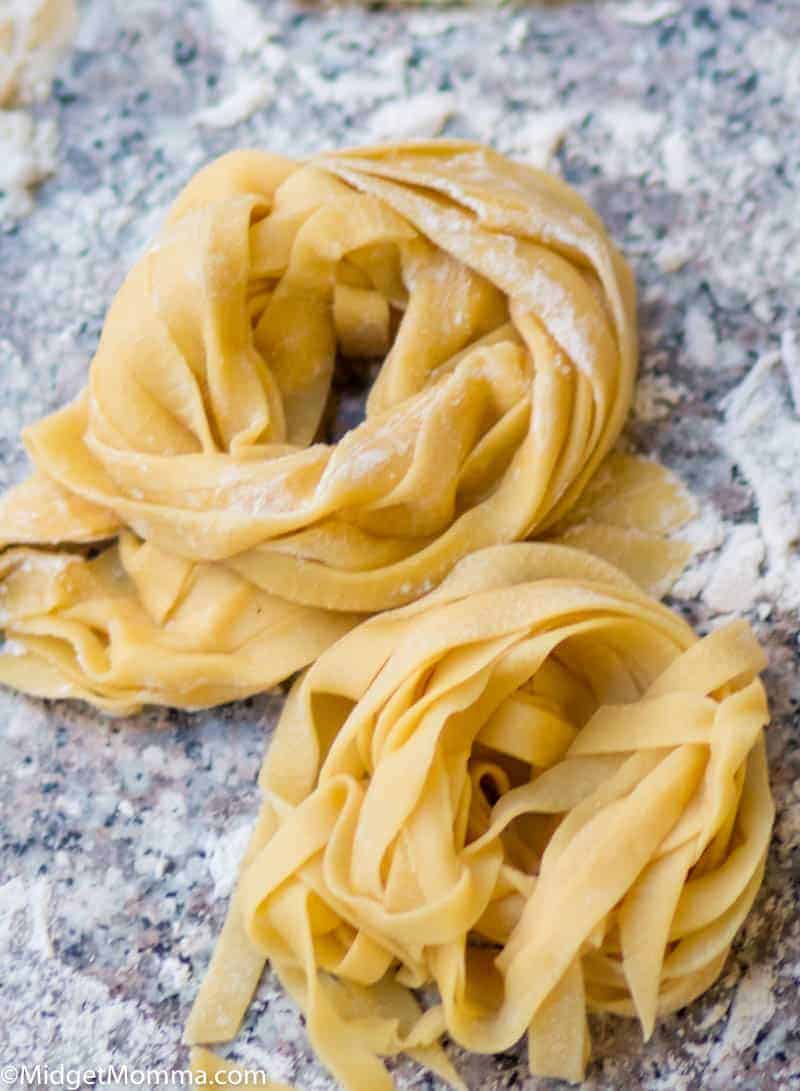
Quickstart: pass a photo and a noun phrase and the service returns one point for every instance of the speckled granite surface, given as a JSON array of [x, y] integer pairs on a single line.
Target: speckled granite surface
[[681, 123]]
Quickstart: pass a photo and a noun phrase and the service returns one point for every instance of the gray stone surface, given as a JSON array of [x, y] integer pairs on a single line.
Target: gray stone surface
[[680, 123]]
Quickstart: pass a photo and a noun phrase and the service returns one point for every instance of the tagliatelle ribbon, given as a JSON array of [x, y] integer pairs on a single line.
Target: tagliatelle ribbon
[[534, 790], [235, 546], [209, 1070]]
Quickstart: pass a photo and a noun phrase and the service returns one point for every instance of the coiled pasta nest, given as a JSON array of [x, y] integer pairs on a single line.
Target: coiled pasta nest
[[242, 544], [534, 790]]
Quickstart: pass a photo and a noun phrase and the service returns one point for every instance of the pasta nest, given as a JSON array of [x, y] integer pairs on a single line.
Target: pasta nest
[[503, 321], [535, 790]]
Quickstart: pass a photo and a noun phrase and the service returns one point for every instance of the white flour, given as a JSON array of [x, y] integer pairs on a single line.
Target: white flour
[[94, 1016], [734, 582], [790, 357], [418, 117], [701, 341], [542, 135], [639, 13], [251, 55], [753, 1007], [761, 434], [737, 566], [224, 856], [248, 97], [242, 28]]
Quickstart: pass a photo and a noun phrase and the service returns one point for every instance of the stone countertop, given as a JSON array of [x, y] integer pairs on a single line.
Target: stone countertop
[[680, 123]]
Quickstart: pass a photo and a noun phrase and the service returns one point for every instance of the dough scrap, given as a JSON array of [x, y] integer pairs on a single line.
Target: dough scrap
[[535, 789], [230, 535], [628, 514]]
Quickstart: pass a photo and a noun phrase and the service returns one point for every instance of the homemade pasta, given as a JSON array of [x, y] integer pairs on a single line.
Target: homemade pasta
[[235, 545], [535, 790]]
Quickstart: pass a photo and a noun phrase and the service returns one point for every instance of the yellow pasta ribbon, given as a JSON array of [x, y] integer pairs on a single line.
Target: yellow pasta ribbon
[[534, 791], [234, 545]]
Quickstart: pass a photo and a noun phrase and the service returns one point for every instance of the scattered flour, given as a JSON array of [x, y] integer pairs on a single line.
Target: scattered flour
[[773, 53], [765, 152], [153, 759], [39, 902], [224, 857], [33, 34], [248, 97], [538, 139], [34, 982], [643, 12], [246, 42], [679, 166], [517, 32], [241, 26], [13, 900], [733, 570], [419, 117], [753, 1007], [734, 583], [705, 534], [790, 356], [26, 906], [629, 136], [360, 90], [701, 340], [761, 434]]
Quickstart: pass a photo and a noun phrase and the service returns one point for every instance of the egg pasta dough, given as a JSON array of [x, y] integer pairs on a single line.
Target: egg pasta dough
[[535, 792], [189, 537]]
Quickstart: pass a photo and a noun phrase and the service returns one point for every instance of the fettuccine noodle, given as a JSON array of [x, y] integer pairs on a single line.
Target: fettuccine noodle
[[234, 545], [534, 789]]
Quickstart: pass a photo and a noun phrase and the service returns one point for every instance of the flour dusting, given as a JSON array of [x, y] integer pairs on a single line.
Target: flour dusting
[[539, 139], [421, 116], [248, 97], [91, 1020], [681, 137], [734, 582], [753, 1007], [224, 858], [736, 567], [643, 12], [790, 357], [761, 434], [247, 43], [242, 28], [39, 900], [701, 340]]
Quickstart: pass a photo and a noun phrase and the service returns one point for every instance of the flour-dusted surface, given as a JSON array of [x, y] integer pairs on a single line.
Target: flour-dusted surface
[[680, 122]]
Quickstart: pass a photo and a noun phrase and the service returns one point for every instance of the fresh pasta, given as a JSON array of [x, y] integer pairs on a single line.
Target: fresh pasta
[[187, 538], [534, 790]]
